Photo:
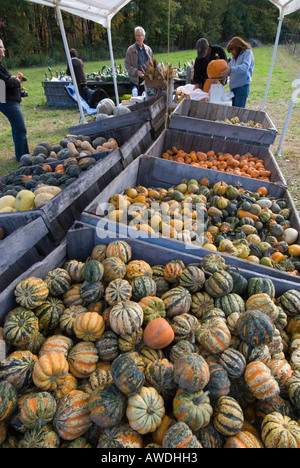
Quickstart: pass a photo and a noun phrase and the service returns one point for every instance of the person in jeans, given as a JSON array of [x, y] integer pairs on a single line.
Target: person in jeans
[[137, 55], [205, 54], [11, 108], [240, 69], [92, 97]]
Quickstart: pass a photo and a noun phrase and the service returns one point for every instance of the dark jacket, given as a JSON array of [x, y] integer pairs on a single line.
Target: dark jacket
[[200, 67], [12, 85], [78, 70]]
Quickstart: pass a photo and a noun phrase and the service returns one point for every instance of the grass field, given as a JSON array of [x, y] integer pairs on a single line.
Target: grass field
[[52, 123]]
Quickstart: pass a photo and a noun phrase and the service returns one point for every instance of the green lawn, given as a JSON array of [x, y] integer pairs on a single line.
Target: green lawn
[[51, 124]]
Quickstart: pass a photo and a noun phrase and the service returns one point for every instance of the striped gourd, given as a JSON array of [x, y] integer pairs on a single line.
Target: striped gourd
[[49, 313], [230, 303], [213, 262], [255, 328], [201, 302], [143, 286], [219, 383], [192, 278], [79, 443], [243, 439], [118, 290], [82, 359], [153, 307], [158, 270], [31, 293], [69, 384], [214, 335], [126, 317], [50, 371], [99, 252], [89, 326], [219, 284], [8, 400], [275, 405], [137, 268], [73, 296], [162, 285], [74, 268], [114, 268], [173, 271], [294, 389], [192, 408], [150, 355], [119, 249], [38, 410], [68, 318], [177, 301], [58, 282], [107, 346], [290, 302], [233, 362], [130, 341], [210, 438], [259, 379], [181, 348], [99, 377], [57, 343], [17, 369], [127, 376], [92, 271], [43, 438], [255, 353], [20, 328], [278, 431], [107, 406], [160, 375], [185, 327], [214, 313], [263, 303], [91, 292], [120, 437], [179, 435], [72, 418], [228, 416], [281, 371], [191, 372], [145, 410], [261, 285]]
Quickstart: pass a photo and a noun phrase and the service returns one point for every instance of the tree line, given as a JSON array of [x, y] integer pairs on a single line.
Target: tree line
[[31, 32]]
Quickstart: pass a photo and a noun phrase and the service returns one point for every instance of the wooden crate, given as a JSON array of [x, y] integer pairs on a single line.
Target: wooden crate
[[200, 117], [79, 244], [149, 171], [23, 246], [60, 213], [192, 142], [149, 111], [57, 95]]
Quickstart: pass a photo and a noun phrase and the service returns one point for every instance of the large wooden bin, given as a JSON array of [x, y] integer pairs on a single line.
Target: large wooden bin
[[56, 94], [60, 213], [79, 244], [149, 171], [206, 119], [192, 142]]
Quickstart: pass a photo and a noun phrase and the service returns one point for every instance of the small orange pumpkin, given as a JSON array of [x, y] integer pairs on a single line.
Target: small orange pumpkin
[[158, 334]]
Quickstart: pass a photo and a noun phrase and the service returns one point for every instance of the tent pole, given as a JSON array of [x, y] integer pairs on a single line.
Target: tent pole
[[112, 61], [64, 38], [273, 61], [293, 100]]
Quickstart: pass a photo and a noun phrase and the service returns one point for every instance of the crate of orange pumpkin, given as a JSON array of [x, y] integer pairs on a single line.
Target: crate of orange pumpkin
[[240, 159]]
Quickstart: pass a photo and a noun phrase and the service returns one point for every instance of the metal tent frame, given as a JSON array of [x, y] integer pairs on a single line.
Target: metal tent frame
[[99, 11]]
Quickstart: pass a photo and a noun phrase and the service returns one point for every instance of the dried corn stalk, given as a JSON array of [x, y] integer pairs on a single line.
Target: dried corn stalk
[[153, 70]]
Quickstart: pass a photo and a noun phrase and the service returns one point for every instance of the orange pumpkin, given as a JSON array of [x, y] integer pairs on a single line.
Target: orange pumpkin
[[158, 334], [216, 67]]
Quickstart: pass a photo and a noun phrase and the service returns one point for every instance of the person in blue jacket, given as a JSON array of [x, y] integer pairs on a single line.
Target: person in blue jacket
[[240, 70]]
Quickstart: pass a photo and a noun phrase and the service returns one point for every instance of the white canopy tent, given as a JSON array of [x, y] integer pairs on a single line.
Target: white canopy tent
[[285, 7], [99, 11]]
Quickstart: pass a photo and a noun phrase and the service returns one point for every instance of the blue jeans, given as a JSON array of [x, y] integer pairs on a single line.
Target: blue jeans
[[12, 110], [240, 95]]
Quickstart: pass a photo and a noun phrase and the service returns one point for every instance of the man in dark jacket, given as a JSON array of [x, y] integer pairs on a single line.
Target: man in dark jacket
[[206, 53], [92, 97], [11, 107]]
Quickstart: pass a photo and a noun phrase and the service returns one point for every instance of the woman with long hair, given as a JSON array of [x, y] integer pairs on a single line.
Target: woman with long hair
[[240, 69]]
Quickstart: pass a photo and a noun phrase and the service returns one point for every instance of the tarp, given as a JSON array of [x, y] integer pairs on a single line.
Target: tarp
[[286, 7], [99, 11]]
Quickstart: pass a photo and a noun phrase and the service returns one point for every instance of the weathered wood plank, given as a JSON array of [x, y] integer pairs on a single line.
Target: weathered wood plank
[[137, 144]]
